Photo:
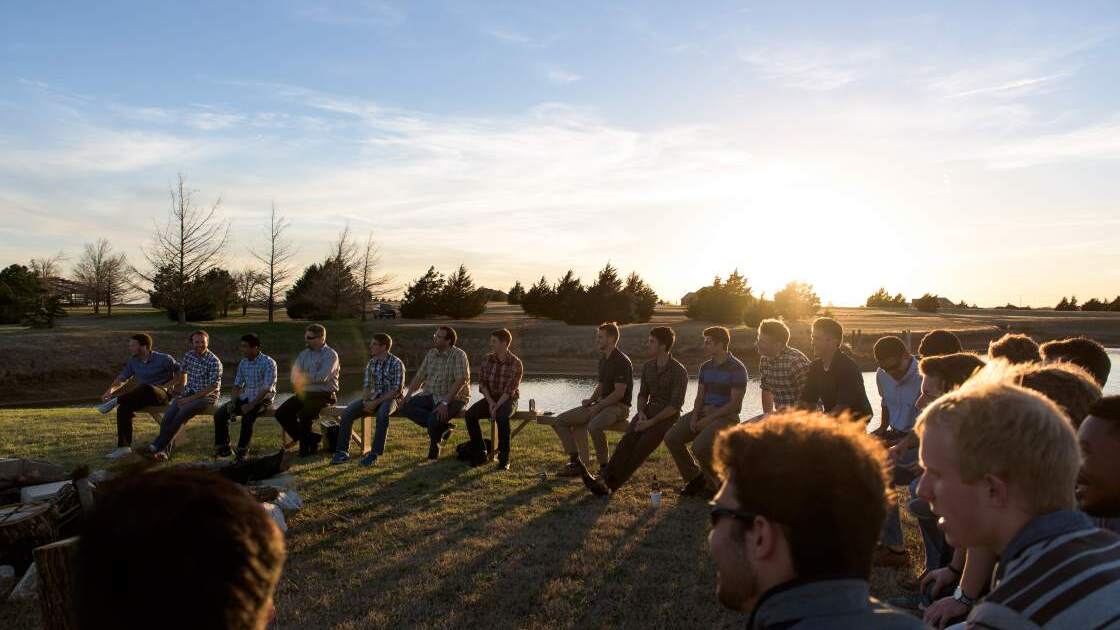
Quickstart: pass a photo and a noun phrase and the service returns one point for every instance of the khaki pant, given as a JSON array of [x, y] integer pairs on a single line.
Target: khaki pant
[[691, 464], [573, 425]]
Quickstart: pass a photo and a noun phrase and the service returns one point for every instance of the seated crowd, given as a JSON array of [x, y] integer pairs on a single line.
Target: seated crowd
[[1012, 463]]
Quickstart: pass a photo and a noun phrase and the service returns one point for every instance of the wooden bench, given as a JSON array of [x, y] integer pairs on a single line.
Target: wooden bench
[[364, 438]]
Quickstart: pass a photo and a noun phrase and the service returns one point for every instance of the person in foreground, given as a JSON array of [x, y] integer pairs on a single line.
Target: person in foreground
[[254, 388], [499, 383], [146, 380], [222, 567], [660, 398], [440, 389], [1001, 462], [315, 385], [792, 551], [1098, 482], [382, 386]]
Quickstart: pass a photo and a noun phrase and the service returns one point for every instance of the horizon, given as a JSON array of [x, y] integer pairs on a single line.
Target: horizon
[[968, 152]]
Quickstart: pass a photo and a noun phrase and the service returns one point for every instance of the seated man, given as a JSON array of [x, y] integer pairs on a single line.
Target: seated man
[[440, 389], [1098, 482], [1080, 351], [660, 399], [792, 551], [382, 386], [607, 408], [835, 383], [499, 382], [314, 385], [1000, 461], [199, 382], [150, 376], [254, 388], [719, 400], [783, 369], [224, 562], [1014, 348]]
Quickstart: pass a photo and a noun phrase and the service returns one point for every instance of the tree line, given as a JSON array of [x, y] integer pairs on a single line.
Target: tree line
[[609, 298], [1092, 304], [732, 301]]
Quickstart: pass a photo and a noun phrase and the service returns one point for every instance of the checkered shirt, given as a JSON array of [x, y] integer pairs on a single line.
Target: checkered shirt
[[254, 375], [383, 375], [439, 371], [501, 377], [784, 376], [203, 372]]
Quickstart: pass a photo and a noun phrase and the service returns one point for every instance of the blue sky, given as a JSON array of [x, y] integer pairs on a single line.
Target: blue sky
[[971, 152]]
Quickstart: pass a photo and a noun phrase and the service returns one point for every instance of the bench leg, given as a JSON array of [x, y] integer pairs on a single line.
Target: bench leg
[[367, 434], [493, 436]]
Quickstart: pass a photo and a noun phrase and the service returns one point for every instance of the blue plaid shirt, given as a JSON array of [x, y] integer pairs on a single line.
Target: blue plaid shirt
[[383, 375], [203, 372], [254, 375]]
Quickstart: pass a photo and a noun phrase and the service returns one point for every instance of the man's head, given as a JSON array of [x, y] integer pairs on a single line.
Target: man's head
[[500, 340], [606, 337], [995, 455], [661, 339], [1070, 387], [1098, 482], [828, 334], [380, 344], [139, 345], [203, 535], [937, 343], [250, 345], [717, 340], [893, 356], [444, 337], [775, 520], [200, 340], [1084, 352], [1015, 348], [316, 336], [943, 374], [773, 335]]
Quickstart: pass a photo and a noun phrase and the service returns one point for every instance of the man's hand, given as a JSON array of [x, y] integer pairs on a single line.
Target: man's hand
[[697, 424], [587, 402], [368, 406], [944, 610], [441, 412], [107, 395], [642, 424], [493, 408], [641, 416], [938, 580]]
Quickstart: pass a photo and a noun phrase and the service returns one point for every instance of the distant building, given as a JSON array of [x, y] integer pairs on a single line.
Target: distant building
[[688, 298]]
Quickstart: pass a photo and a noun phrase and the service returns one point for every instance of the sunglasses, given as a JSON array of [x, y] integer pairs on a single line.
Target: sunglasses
[[718, 512], [310, 338]]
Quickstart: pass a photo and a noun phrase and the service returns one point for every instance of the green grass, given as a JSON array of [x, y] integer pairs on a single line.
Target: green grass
[[408, 544]]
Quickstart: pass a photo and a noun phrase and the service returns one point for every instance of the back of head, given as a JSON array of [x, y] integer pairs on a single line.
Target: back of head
[[938, 343], [1069, 386], [1015, 348], [1084, 352], [951, 369], [1013, 433], [775, 329], [177, 533], [822, 479]]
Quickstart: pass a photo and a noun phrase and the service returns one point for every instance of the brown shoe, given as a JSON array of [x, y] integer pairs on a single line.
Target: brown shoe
[[571, 469], [887, 557]]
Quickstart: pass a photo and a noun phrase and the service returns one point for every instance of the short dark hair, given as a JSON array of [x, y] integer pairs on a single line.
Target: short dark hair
[[318, 330], [204, 334], [1069, 386], [890, 347], [777, 467], [938, 343], [251, 339], [1015, 348], [449, 332], [775, 329], [384, 340], [719, 334], [1084, 352], [611, 328], [503, 335], [144, 339], [224, 550], [829, 326], [664, 336], [1107, 408], [953, 369]]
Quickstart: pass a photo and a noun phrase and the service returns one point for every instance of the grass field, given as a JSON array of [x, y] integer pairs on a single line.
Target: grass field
[[413, 545]]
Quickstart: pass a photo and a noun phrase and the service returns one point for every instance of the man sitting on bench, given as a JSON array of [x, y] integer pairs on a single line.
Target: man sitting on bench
[[443, 382], [315, 385], [254, 388], [151, 375], [381, 387], [499, 380], [200, 380]]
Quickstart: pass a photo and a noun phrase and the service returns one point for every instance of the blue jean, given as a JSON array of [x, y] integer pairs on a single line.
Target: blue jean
[[891, 533], [357, 410], [422, 410], [938, 551], [177, 415]]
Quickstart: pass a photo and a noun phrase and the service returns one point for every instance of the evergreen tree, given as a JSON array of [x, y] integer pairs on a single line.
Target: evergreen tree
[[516, 294], [459, 298], [422, 297]]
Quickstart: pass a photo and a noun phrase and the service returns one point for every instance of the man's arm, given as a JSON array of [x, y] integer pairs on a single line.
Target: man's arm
[[731, 409], [616, 395], [587, 402], [850, 395], [767, 401], [418, 379]]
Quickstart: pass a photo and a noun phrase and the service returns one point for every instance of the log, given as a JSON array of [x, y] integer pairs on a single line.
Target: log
[[16, 472], [57, 564], [23, 527]]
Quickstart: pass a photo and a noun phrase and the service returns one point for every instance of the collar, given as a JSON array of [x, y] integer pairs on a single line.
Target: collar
[[911, 372], [495, 359], [796, 600], [254, 359], [1041, 528]]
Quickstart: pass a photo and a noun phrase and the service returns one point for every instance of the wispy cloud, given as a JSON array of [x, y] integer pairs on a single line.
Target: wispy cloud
[[1092, 142], [508, 35], [811, 67], [1016, 87], [560, 76]]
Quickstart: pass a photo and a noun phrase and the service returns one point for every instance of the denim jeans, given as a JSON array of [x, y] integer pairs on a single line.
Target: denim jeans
[[248, 418], [891, 533], [422, 410], [177, 415], [357, 410], [938, 552], [481, 410]]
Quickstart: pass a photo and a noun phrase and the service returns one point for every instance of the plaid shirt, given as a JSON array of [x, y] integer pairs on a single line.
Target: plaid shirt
[[439, 371], [662, 387], [784, 376], [255, 375], [383, 376], [203, 372], [501, 377]]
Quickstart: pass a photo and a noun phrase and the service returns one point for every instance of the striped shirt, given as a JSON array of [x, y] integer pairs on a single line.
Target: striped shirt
[[203, 372], [784, 376], [719, 379], [501, 377], [256, 375], [1058, 572], [383, 375], [439, 371]]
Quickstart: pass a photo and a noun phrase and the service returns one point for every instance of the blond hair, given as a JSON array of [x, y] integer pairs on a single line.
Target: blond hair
[[1068, 385], [1013, 433]]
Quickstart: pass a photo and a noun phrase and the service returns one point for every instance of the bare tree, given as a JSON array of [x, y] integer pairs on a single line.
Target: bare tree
[[339, 286], [276, 260], [47, 270], [90, 271], [119, 281], [373, 284], [187, 247], [250, 282]]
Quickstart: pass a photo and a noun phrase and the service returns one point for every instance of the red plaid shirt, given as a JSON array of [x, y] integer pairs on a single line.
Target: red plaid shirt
[[501, 377]]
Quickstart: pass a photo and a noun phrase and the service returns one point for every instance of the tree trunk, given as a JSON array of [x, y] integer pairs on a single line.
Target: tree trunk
[[24, 526], [244, 310], [57, 565]]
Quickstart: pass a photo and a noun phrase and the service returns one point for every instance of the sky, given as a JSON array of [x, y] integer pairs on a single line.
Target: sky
[[966, 149]]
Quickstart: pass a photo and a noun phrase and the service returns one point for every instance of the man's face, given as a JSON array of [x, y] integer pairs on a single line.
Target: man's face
[[932, 389], [1098, 481], [736, 580], [199, 342], [896, 367], [824, 343], [375, 347], [495, 344], [134, 347], [247, 351], [604, 342], [767, 347], [314, 342], [652, 346], [711, 346], [440, 340], [961, 505]]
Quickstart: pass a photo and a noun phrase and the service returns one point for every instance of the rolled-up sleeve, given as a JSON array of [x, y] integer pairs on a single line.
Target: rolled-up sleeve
[[126, 372], [396, 375], [515, 379]]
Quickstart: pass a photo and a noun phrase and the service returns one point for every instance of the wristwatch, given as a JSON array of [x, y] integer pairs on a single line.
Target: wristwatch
[[962, 598]]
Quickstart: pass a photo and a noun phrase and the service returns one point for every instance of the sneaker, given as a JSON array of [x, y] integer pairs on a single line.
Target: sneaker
[[222, 451], [369, 459], [340, 458], [571, 469], [596, 486], [161, 456], [119, 452], [694, 488], [886, 557], [503, 464], [446, 434], [108, 405]]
